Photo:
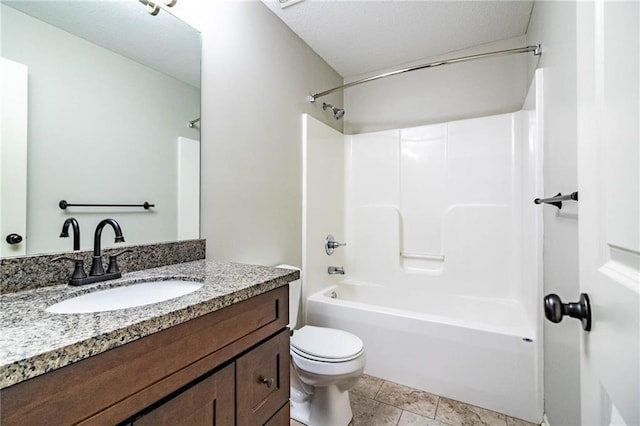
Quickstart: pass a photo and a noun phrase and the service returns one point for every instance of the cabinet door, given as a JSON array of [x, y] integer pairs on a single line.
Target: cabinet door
[[262, 381], [209, 402]]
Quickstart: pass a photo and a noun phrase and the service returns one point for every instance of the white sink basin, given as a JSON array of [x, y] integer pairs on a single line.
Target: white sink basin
[[137, 294]]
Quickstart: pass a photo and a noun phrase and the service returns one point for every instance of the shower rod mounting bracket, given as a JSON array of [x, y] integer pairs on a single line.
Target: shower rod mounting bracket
[[192, 123], [538, 50]]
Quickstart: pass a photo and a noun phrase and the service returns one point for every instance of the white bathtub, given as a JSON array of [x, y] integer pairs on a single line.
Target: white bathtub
[[476, 350]]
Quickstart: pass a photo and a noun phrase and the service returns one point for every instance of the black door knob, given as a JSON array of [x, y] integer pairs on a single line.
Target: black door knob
[[14, 239], [555, 310]]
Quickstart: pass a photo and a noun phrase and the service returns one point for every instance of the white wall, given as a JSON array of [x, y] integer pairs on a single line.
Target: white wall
[[256, 76], [554, 25], [452, 92], [78, 154]]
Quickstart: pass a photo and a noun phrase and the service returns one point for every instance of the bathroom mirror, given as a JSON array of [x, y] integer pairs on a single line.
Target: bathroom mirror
[[112, 103]]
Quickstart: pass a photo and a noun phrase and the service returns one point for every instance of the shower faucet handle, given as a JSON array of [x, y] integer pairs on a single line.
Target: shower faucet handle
[[330, 244]]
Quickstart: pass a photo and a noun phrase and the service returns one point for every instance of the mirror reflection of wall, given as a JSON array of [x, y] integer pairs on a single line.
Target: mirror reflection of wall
[[104, 128]]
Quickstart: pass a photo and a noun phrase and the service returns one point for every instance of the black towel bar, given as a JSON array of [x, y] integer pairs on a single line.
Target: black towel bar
[[63, 204]]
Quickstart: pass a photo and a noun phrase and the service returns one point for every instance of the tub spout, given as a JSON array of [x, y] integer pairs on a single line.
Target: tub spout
[[332, 270]]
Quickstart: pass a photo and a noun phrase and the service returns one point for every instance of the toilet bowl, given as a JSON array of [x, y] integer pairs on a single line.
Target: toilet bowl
[[325, 364]]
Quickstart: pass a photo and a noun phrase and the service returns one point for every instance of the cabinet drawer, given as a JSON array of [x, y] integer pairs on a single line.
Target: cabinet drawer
[[262, 381]]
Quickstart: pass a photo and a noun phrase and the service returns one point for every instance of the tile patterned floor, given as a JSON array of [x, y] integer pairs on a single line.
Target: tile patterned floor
[[377, 402]]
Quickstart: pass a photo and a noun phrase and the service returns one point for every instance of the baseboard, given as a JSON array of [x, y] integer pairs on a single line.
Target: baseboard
[[545, 420]]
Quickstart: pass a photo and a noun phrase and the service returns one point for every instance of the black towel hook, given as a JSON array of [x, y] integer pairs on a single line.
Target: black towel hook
[[558, 199]]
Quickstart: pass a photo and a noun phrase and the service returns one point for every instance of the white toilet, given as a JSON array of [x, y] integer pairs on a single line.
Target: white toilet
[[325, 364]]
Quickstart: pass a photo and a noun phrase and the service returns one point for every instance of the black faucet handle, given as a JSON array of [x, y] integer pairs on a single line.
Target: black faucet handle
[[113, 261], [78, 270]]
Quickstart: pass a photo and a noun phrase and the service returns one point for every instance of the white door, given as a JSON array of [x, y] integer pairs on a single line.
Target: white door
[[13, 158], [608, 39]]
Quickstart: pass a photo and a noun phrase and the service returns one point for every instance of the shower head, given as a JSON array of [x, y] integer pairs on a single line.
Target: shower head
[[338, 113]]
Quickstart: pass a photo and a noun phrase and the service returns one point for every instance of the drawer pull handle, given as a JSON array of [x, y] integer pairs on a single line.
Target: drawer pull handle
[[268, 382]]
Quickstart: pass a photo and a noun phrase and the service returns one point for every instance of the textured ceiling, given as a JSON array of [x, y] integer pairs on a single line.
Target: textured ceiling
[[161, 42], [356, 37]]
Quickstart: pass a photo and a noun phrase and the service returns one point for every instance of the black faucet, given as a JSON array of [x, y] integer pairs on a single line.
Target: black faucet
[[97, 273], [76, 232], [96, 266]]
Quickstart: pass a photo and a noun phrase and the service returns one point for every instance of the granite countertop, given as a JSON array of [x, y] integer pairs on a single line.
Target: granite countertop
[[34, 342]]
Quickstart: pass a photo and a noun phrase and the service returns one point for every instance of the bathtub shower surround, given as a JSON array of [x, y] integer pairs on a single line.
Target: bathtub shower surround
[[441, 202], [443, 278]]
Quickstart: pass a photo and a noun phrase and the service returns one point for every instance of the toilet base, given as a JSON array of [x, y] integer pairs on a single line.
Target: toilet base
[[328, 406]]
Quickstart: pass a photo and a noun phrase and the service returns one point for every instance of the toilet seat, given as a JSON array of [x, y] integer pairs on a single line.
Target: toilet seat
[[324, 344], [324, 370]]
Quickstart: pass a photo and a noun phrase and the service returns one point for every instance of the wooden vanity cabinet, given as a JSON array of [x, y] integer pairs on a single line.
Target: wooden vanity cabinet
[[257, 383], [227, 367]]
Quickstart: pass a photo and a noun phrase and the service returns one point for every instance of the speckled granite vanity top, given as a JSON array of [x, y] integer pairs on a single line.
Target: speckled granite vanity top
[[34, 342]]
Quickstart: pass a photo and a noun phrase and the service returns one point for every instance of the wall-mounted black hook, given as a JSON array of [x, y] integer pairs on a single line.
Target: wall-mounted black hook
[[555, 310], [557, 200]]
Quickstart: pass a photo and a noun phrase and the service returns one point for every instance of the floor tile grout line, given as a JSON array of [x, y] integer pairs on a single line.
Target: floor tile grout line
[[398, 421], [435, 413], [375, 397], [403, 408]]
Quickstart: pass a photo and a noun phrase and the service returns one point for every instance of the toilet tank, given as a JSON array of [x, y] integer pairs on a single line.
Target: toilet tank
[[295, 288]]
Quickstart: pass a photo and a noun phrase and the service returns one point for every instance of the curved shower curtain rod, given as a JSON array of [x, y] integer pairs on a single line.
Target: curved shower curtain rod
[[537, 50]]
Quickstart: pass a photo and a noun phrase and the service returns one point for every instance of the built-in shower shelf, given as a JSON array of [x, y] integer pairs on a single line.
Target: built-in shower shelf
[[422, 262], [406, 255]]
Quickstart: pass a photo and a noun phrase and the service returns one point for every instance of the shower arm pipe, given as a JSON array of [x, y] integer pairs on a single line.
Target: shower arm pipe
[[537, 50]]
